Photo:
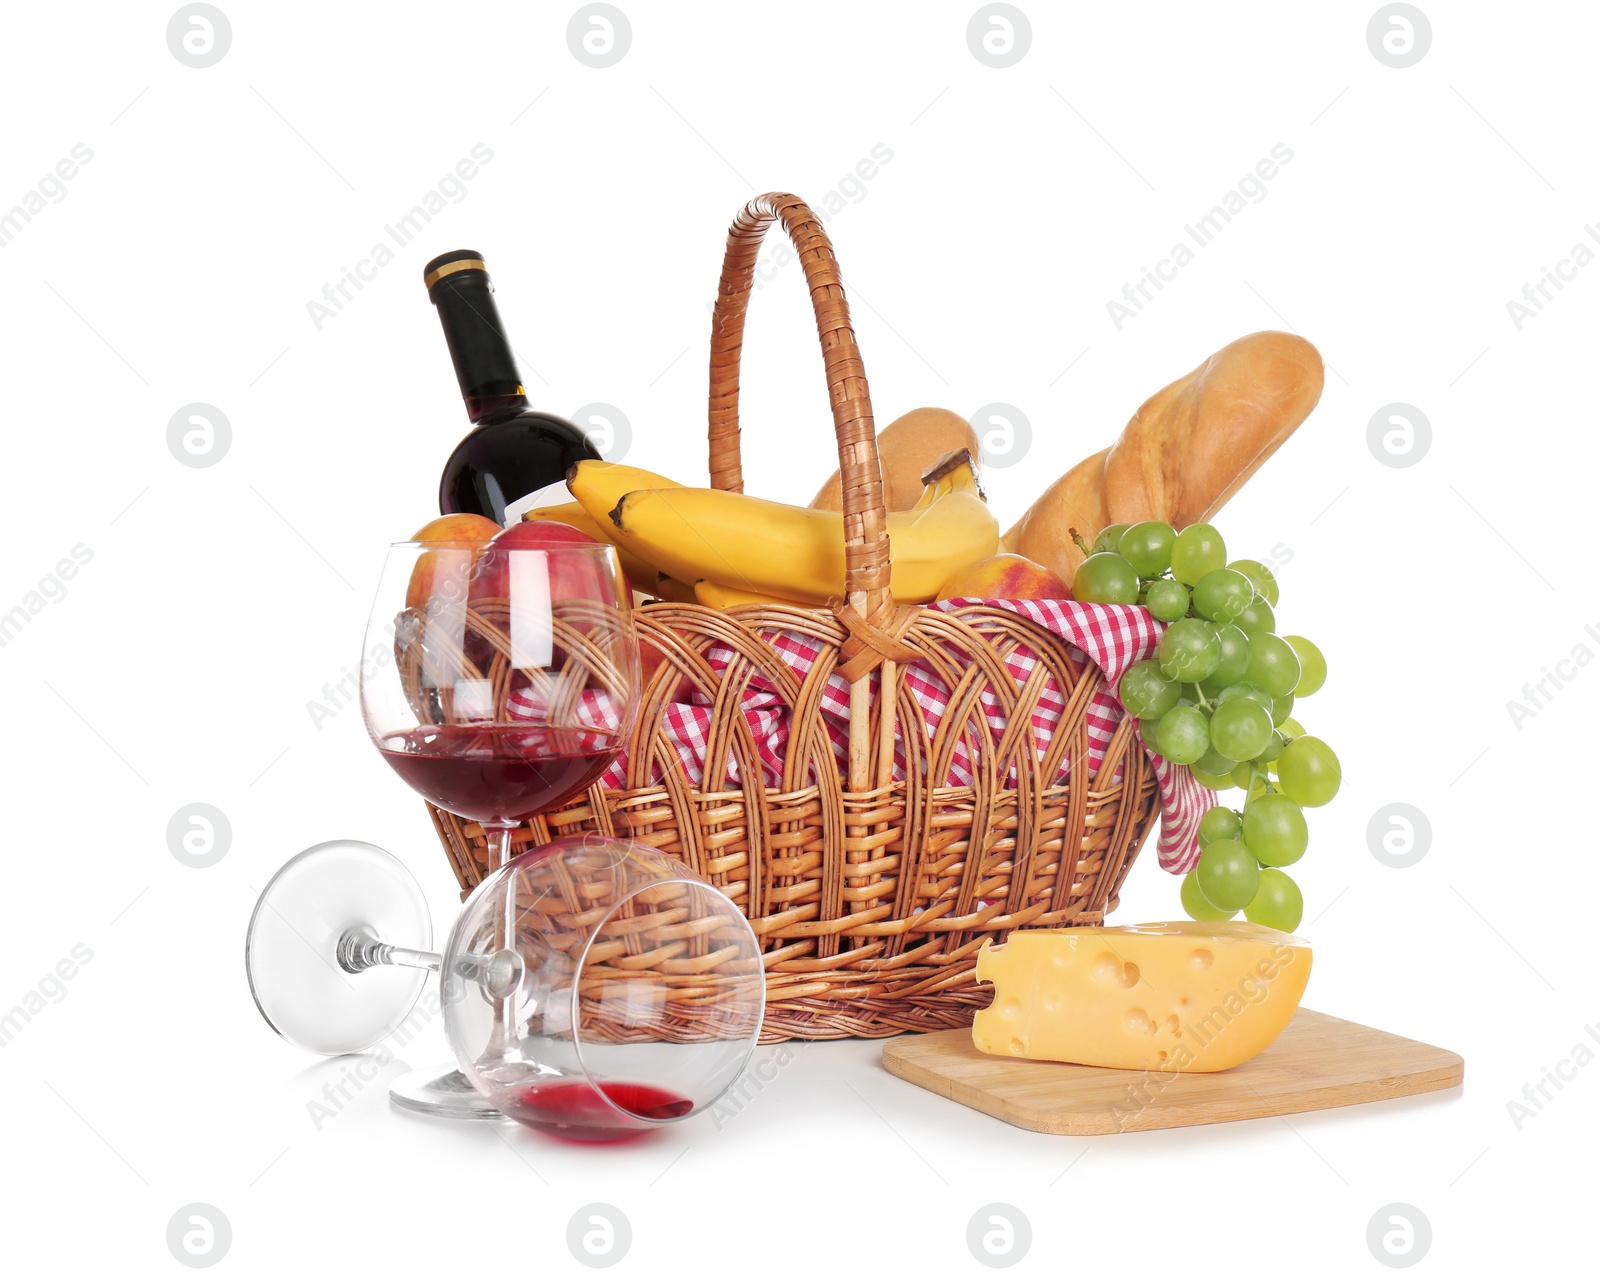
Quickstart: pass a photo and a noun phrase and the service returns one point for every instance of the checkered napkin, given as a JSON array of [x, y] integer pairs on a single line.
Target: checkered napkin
[[1115, 637]]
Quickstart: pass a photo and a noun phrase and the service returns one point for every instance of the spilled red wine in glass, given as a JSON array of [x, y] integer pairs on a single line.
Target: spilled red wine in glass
[[577, 1111]]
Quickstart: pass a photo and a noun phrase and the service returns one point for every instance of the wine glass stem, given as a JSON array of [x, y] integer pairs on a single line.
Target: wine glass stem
[[360, 949], [499, 834]]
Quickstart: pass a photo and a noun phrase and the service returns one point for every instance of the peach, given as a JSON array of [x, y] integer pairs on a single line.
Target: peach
[[1009, 576], [466, 528]]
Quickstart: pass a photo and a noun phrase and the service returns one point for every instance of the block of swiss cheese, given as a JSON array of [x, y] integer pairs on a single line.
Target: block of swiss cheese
[[1181, 996]]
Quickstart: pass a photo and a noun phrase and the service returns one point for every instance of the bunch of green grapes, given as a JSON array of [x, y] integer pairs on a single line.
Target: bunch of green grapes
[[1217, 698]]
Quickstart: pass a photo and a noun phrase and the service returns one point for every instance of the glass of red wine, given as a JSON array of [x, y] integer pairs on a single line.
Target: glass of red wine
[[592, 988], [514, 686]]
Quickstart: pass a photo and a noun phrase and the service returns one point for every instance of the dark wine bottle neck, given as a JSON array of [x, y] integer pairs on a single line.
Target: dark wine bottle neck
[[485, 367]]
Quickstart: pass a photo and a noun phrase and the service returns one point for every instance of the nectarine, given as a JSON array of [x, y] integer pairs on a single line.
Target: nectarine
[[1006, 576], [448, 570]]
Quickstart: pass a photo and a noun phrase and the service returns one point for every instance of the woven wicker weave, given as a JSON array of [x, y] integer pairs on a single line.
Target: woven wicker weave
[[871, 896]]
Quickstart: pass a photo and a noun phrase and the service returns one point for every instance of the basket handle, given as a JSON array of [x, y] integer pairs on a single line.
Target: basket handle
[[866, 536]]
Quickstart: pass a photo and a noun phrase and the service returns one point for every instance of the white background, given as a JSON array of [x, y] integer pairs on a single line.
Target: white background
[[219, 601]]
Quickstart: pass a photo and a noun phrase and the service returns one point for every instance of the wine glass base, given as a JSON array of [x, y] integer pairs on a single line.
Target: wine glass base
[[292, 947], [444, 1092]]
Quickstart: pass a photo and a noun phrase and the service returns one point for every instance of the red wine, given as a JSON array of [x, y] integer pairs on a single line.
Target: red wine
[[575, 1111], [517, 457], [491, 771]]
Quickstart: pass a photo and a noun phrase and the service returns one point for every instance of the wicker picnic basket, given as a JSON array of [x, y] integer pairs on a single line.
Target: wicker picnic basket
[[870, 895]]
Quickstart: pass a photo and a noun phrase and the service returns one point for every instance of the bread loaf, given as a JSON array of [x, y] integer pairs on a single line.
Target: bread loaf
[[1184, 452], [905, 450], [1074, 503]]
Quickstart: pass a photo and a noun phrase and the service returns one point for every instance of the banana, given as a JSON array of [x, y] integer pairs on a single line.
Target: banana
[[568, 515], [716, 596], [670, 589], [745, 551], [952, 471], [756, 545], [599, 484], [641, 574]]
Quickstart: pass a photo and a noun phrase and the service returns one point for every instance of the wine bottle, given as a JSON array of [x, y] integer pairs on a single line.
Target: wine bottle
[[515, 458]]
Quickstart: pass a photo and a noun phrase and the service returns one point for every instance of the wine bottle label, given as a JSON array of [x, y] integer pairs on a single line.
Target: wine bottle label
[[544, 497]]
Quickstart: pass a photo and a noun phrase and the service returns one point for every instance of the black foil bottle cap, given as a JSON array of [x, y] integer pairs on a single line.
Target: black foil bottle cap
[[448, 263]]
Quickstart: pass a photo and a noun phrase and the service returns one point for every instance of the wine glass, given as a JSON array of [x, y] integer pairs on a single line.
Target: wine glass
[[626, 993], [514, 686]]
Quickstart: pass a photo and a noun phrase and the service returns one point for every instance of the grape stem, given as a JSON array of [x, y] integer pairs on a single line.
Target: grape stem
[[1084, 548]]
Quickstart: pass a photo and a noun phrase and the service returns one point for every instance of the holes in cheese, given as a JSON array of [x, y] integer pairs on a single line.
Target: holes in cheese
[[1182, 996]]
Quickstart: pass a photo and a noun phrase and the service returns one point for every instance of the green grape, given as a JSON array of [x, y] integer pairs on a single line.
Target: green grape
[[1277, 903], [1167, 600], [1247, 778], [1197, 551], [1215, 764], [1145, 692], [1275, 830], [1190, 691], [1246, 691], [1182, 735], [1282, 705], [1110, 539], [1291, 729], [1107, 578], [1262, 579], [1235, 659], [1189, 650], [1308, 772], [1195, 905], [1223, 595], [1147, 734], [1273, 749], [1228, 876], [1274, 666], [1257, 617], [1211, 782], [1148, 547], [1313, 667], [1219, 823], [1240, 729]]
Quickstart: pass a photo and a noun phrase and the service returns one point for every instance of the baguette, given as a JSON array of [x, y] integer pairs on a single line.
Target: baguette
[[1073, 504], [1185, 451], [906, 449]]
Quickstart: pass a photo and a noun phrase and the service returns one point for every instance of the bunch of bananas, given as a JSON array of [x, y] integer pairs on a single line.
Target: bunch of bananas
[[720, 549]]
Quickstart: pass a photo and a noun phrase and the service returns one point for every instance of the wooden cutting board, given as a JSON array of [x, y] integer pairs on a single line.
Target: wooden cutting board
[[1318, 1062]]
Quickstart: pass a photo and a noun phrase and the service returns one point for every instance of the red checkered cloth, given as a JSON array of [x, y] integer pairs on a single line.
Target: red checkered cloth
[[1115, 637]]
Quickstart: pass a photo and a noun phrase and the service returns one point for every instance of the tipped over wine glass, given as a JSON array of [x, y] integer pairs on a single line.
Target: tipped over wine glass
[[591, 988]]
